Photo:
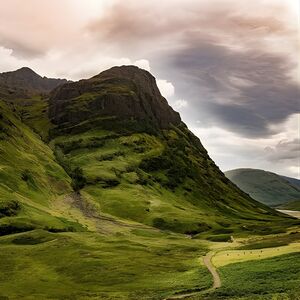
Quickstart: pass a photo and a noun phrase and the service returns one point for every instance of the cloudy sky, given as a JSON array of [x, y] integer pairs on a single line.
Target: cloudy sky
[[230, 67]]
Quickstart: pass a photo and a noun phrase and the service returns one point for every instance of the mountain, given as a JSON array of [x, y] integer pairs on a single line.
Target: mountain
[[106, 194], [267, 187], [138, 159], [24, 83], [127, 152], [291, 205], [293, 181]]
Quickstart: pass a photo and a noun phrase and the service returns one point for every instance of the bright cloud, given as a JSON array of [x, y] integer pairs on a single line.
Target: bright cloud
[[166, 88]]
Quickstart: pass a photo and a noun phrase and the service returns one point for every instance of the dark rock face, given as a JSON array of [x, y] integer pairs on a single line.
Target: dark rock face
[[25, 82], [123, 92]]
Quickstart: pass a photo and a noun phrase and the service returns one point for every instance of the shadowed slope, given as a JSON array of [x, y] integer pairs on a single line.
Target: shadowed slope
[[266, 187]]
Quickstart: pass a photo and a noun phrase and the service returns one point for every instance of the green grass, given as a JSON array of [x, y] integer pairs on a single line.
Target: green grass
[[271, 241], [144, 178], [263, 278], [89, 265], [29, 177]]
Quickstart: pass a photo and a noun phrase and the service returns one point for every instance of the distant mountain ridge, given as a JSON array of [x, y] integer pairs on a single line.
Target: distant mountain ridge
[[24, 82], [293, 181], [267, 187]]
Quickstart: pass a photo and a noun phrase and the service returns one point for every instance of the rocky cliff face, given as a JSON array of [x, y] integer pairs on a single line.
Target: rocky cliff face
[[24, 83], [125, 92]]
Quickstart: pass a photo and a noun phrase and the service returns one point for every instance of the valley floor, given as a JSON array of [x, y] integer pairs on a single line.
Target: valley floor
[[143, 263]]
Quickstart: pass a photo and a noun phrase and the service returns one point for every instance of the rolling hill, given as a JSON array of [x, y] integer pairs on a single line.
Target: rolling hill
[[291, 205], [266, 187]]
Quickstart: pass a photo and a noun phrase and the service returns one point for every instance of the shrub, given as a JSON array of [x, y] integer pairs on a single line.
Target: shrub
[[78, 180], [12, 228], [110, 183], [9, 208], [61, 159], [156, 163], [110, 156], [220, 238], [94, 142], [76, 174], [159, 223], [25, 175]]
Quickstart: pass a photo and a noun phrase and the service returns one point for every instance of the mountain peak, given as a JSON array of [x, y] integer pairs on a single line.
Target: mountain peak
[[125, 92], [25, 71], [25, 82], [128, 71]]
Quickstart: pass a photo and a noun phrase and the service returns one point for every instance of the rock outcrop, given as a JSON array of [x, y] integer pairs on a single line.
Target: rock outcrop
[[125, 92]]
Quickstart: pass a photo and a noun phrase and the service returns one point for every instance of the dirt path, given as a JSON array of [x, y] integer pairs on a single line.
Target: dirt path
[[212, 270], [216, 279]]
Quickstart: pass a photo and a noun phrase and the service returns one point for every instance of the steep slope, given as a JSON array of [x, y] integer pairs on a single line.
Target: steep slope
[[26, 93], [123, 93], [139, 161], [266, 187], [30, 179]]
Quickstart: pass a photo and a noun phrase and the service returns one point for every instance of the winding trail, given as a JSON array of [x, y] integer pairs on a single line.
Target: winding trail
[[216, 279]]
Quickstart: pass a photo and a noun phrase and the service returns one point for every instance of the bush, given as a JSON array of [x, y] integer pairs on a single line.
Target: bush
[[110, 156], [25, 175], [78, 180], [220, 238], [108, 183], [14, 228], [156, 163], [94, 142], [159, 223], [61, 159], [173, 162], [9, 208]]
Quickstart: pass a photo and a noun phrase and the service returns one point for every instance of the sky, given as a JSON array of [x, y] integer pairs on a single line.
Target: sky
[[230, 67]]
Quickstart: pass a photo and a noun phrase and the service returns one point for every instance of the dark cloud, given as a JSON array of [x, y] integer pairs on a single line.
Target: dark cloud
[[247, 91], [217, 56], [284, 150]]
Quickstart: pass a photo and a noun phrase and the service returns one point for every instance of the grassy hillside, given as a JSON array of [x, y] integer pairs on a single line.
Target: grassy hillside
[[147, 178], [292, 205], [30, 179], [149, 168], [266, 187], [108, 206], [293, 181]]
